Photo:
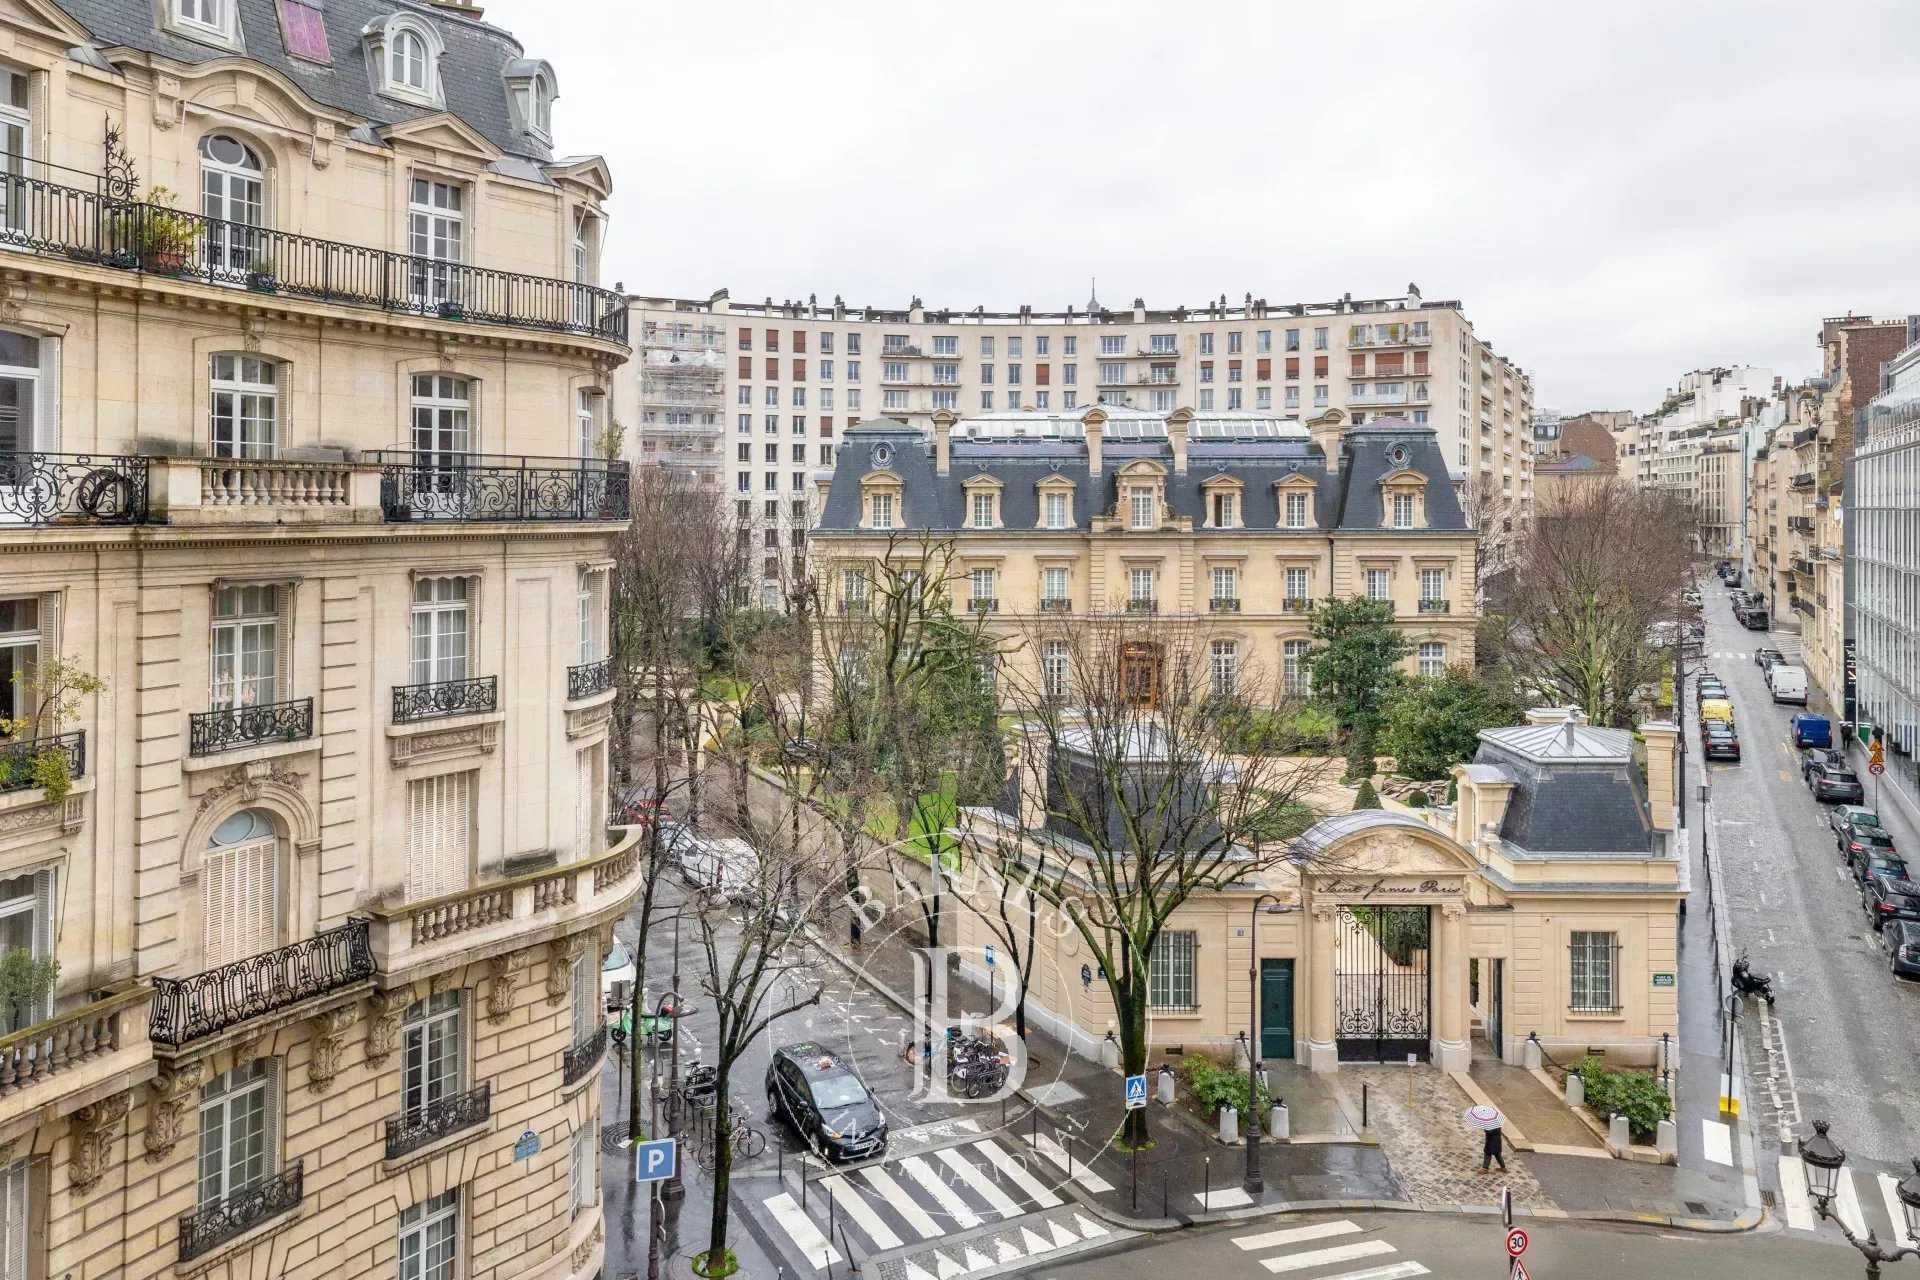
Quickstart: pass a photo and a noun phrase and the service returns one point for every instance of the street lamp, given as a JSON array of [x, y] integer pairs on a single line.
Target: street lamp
[[1823, 1159], [1255, 1183]]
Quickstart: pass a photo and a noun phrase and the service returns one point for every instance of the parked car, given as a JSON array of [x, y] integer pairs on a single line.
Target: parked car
[[817, 1092], [1716, 709], [726, 868], [1719, 742], [1875, 861], [1764, 658], [1788, 682], [1900, 939], [1817, 757], [1712, 688], [1845, 819], [1888, 897], [1811, 730], [1691, 599], [1754, 618], [1831, 783]]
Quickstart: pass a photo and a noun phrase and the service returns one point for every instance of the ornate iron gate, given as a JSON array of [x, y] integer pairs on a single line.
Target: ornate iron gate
[[1382, 988]]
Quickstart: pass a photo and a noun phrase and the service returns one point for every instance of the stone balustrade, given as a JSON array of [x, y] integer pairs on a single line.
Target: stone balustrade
[[251, 490], [89, 1047]]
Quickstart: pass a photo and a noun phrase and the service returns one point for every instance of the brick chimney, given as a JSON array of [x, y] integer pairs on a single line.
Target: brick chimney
[[1095, 422], [943, 420], [1177, 424], [1326, 432]]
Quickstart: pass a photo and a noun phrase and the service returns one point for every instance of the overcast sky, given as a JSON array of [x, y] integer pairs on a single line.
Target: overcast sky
[[1616, 197]]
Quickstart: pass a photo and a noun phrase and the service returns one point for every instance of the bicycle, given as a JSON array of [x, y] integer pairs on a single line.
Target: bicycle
[[746, 1141]]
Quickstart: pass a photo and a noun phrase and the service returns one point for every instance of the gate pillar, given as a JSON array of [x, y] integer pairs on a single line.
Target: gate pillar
[[1322, 1053], [1451, 1050]]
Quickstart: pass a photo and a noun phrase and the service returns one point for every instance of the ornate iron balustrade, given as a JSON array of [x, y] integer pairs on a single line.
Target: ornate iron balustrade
[[71, 488], [444, 698], [1431, 605], [1296, 604], [412, 1130], [588, 679], [17, 758], [486, 487], [1143, 606], [580, 1059], [211, 1226], [984, 604], [1055, 604], [1224, 604], [100, 229], [186, 1009], [209, 732]]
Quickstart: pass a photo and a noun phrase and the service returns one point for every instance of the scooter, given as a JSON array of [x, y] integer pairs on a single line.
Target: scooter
[[1749, 983]]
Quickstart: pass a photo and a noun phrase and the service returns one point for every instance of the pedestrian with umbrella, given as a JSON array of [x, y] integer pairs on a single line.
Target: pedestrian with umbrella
[[1487, 1120]]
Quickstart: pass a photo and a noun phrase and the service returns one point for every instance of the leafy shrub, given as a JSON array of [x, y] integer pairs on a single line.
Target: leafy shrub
[[1305, 730], [1417, 800], [1367, 797], [1279, 820], [1633, 1094], [1214, 1086]]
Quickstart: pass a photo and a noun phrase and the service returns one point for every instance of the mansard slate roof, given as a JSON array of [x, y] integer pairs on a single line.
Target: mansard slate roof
[[1576, 789], [472, 72], [1349, 499]]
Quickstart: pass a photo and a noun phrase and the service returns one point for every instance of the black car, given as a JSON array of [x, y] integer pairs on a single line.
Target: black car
[[1877, 862], [1712, 689], [1765, 658], [1900, 939], [1820, 758], [1887, 898], [1858, 842], [1754, 619], [1720, 741], [1833, 783], [816, 1091]]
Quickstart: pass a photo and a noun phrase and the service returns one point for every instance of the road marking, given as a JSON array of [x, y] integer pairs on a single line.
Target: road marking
[[800, 1229], [1296, 1235], [1718, 1139], [1230, 1198], [1056, 1155], [945, 1196], [1895, 1214], [1392, 1271], [982, 1187], [855, 1206], [1847, 1205], [1016, 1172], [903, 1204], [1322, 1257]]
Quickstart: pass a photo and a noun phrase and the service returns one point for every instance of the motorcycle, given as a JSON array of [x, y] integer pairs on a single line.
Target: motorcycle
[[1749, 983]]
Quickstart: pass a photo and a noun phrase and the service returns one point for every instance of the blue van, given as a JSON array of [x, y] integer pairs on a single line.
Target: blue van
[[1811, 730]]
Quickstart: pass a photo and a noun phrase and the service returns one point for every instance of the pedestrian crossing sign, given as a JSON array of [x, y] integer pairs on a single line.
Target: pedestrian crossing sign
[[1519, 1271], [1136, 1093]]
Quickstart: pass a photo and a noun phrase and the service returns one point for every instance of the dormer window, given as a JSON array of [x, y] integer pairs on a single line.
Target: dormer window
[[407, 62], [983, 502], [1296, 502], [407, 52], [1140, 508], [1056, 502], [983, 511], [1058, 505], [533, 90], [882, 511], [1403, 511], [1225, 510], [208, 21], [1403, 500], [1220, 500], [1296, 511]]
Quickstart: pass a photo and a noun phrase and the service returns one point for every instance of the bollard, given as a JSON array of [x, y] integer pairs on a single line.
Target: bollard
[[1229, 1125], [1109, 1052], [1576, 1090], [1163, 1195], [1530, 1054], [1617, 1136], [1667, 1139], [1279, 1127], [1166, 1084], [1363, 1106]]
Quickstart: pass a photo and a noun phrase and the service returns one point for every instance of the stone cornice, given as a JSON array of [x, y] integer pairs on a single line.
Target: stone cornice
[[18, 539]]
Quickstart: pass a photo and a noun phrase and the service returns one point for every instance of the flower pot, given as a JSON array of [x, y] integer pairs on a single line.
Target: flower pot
[[262, 282], [452, 311], [166, 262]]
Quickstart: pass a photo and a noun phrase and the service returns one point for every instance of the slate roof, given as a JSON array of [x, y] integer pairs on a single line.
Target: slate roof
[[1576, 789], [1349, 499], [472, 72]]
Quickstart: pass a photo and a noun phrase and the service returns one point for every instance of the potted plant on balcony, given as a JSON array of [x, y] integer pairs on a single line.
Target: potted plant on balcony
[[450, 309], [163, 238], [25, 982], [62, 683], [261, 277]]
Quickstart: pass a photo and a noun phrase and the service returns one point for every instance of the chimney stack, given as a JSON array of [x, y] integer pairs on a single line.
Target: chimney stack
[[1095, 422], [1326, 432], [943, 420], [1177, 424], [1662, 737]]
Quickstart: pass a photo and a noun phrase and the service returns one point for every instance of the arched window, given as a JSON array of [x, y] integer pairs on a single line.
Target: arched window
[[407, 66], [240, 889], [232, 196]]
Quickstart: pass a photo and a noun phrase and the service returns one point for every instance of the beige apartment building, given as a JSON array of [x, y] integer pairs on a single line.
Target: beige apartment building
[[304, 530], [795, 376]]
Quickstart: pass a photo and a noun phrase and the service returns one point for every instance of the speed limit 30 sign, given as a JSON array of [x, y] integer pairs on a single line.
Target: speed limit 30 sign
[[1516, 1242]]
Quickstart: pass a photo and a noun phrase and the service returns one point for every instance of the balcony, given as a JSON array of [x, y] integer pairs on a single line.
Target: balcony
[[20, 758], [441, 1118], [413, 702], [1143, 606], [1802, 565], [906, 352], [96, 228], [984, 604], [659, 338], [1802, 481], [71, 488], [1803, 606], [1224, 604], [1806, 435], [1055, 604], [589, 679], [854, 608], [1800, 524], [496, 487], [1436, 606], [582, 1057], [1296, 604], [189, 1009], [1397, 336], [213, 1225], [211, 732], [98, 1046]]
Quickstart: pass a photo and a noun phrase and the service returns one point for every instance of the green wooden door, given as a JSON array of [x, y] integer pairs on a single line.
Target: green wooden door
[[1276, 1009]]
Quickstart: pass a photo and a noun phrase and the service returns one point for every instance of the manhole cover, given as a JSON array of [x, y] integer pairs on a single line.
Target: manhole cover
[[1696, 1208]]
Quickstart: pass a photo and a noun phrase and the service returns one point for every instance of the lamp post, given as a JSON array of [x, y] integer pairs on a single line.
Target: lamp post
[[1823, 1159], [1255, 1183]]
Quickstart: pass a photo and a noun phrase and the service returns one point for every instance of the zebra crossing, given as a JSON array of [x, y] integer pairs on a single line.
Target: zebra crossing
[[1321, 1246], [978, 1205], [1864, 1200]]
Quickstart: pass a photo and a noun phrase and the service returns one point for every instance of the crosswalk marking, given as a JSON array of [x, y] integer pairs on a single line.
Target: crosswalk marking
[[855, 1206], [949, 1201], [916, 1272], [895, 1196], [1392, 1271], [1000, 1202], [1296, 1235], [1036, 1190], [1895, 1214], [1061, 1236], [1324, 1257], [800, 1229], [1056, 1155], [1034, 1242], [1719, 1141], [1087, 1226], [1793, 1190], [947, 1267], [976, 1260], [1225, 1198], [1847, 1205]]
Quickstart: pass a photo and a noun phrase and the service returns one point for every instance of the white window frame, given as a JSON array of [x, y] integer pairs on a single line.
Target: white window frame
[[1295, 506], [1383, 578], [1141, 504], [441, 631], [209, 21], [1299, 583], [589, 591], [1432, 658], [1056, 669], [436, 237], [243, 405], [1052, 577], [32, 898], [982, 510], [232, 196], [1296, 667], [22, 647], [225, 1168], [441, 418], [583, 1173], [1140, 585], [1226, 582], [430, 1238], [1224, 668], [1433, 584], [1171, 977], [881, 507], [244, 665], [981, 584], [427, 90], [1403, 511], [433, 1053], [17, 1211], [1593, 977], [1058, 507]]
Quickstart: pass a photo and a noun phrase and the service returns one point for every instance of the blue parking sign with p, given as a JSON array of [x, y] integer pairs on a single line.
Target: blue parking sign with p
[[653, 1161], [1136, 1093]]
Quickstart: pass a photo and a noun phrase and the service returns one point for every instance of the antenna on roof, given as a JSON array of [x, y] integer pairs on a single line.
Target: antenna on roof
[[1093, 295]]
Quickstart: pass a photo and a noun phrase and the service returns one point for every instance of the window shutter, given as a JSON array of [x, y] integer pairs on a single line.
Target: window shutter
[[13, 1202], [583, 803]]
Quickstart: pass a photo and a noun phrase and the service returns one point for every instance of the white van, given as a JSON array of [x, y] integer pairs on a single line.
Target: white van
[[726, 868], [1789, 683]]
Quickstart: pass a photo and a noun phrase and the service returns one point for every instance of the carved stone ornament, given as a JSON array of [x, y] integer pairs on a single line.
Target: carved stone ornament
[[248, 1051], [386, 1009], [249, 781], [169, 1097], [505, 979], [441, 983], [252, 334], [6, 1151], [561, 955], [583, 1252], [329, 1037], [93, 1130]]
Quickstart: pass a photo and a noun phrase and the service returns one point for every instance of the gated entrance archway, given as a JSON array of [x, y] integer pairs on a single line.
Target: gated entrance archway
[[1382, 982]]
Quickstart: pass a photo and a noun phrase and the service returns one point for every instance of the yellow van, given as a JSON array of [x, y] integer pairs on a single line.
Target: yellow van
[[1716, 709]]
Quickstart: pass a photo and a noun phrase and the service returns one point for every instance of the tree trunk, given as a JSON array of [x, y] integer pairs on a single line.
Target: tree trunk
[[1131, 1014], [722, 1166]]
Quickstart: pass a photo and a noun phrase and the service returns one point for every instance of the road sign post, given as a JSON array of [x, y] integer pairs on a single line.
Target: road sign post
[[655, 1161], [1506, 1206], [1516, 1242], [1137, 1093]]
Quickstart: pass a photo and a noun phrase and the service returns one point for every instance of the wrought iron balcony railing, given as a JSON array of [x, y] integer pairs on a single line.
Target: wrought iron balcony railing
[[188, 1009], [1296, 604], [209, 732], [97, 228], [71, 488], [444, 698], [1143, 606], [1431, 605], [984, 604], [580, 1059], [489, 487], [412, 1130], [19, 758], [1055, 604], [589, 679], [232, 1216], [1224, 604]]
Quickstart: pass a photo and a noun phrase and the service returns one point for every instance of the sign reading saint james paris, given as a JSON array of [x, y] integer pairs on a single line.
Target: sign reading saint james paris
[[1391, 887]]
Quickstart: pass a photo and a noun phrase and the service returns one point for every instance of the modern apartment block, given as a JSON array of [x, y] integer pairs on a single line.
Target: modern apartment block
[[304, 537], [1883, 558], [796, 375]]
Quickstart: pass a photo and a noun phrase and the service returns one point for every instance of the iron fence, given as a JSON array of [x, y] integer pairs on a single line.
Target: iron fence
[[444, 698], [17, 758], [209, 732], [589, 678], [72, 488], [489, 487], [234, 1215], [427, 1124]]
